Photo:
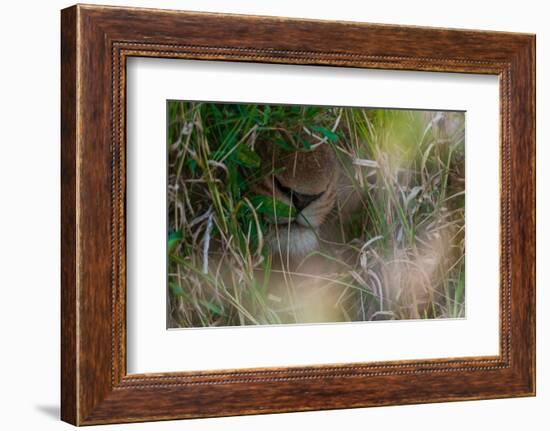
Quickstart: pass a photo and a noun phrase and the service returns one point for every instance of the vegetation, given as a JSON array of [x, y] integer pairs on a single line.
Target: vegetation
[[400, 256]]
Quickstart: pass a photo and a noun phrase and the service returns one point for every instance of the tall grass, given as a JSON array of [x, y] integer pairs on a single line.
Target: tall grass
[[398, 255]]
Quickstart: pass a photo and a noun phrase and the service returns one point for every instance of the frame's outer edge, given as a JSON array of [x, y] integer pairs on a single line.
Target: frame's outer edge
[[95, 388], [69, 305], [523, 213]]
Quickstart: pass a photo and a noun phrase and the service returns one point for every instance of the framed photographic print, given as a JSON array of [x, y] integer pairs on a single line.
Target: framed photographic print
[[265, 215]]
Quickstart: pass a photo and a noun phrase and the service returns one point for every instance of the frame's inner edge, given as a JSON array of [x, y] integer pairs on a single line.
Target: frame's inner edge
[[123, 49]]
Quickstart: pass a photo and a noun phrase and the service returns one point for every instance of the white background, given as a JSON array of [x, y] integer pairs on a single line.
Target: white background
[[29, 216], [151, 348]]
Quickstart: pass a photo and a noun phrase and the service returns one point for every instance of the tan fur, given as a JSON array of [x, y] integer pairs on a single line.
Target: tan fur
[[292, 176]]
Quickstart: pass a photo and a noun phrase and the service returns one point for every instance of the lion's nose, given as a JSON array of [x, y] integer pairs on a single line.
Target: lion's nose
[[301, 201]]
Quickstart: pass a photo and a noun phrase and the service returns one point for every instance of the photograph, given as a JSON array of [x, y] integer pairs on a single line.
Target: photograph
[[291, 214]]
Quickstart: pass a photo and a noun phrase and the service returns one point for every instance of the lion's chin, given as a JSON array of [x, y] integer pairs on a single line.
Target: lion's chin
[[293, 241]]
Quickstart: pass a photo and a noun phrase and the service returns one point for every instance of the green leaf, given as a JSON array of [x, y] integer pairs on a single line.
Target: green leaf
[[213, 308], [174, 238], [176, 289], [247, 157], [284, 145], [267, 114], [192, 164], [327, 133], [295, 109], [311, 111], [218, 116], [459, 292], [272, 207], [306, 144]]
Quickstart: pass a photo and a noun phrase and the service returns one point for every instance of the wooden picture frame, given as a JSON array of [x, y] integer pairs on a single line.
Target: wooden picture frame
[[96, 41]]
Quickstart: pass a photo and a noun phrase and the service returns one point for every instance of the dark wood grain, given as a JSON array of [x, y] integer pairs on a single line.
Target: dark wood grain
[[96, 41], [69, 397]]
